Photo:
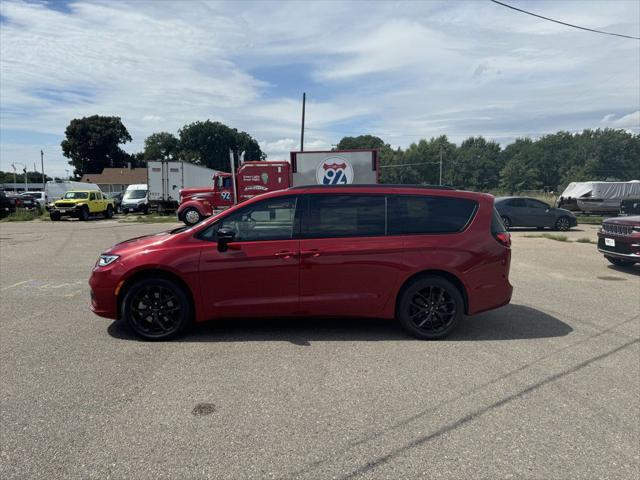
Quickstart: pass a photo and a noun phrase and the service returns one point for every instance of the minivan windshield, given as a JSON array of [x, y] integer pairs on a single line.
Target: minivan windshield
[[76, 195], [135, 194]]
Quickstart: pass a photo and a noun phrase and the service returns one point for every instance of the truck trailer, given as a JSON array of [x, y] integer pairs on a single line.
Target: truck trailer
[[165, 179], [340, 167]]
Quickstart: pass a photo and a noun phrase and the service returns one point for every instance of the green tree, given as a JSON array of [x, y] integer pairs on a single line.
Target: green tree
[[388, 158], [93, 143], [32, 177], [361, 141], [519, 171], [161, 146], [476, 166], [207, 143]]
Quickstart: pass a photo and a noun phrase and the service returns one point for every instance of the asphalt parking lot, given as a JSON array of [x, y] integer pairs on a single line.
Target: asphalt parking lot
[[547, 387]]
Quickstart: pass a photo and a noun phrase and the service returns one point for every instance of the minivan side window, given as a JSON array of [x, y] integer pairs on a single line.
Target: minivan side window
[[330, 216], [271, 219], [422, 214]]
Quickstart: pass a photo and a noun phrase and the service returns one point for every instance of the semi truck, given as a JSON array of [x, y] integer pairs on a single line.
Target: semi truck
[[339, 167], [165, 179]]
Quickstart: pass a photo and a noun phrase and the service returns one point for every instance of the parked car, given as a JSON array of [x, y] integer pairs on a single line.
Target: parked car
[[6, 205], [40, 197], [529, 212], [117, 200], [424, 256], [136, 199], [81, 204], [12, 202], [630, 206], [619, 240]]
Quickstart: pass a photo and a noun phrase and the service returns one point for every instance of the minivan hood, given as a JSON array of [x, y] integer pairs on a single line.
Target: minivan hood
[[142, 242]]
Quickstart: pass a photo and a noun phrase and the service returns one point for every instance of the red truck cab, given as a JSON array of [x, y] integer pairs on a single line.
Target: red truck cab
[[253, 178]]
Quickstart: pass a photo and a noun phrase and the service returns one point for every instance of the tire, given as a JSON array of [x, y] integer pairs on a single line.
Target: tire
[[55, 216], [84, 214], [145, 210], [108, 212], [563, 224], [429, 307], [506, 222], [619, 262], [191, 216], [167, 314]]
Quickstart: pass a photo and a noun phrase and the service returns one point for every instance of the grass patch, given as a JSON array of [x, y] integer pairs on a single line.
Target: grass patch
[[21, 216], [550, 236], [585, 240], [556, 237], [590, 220]]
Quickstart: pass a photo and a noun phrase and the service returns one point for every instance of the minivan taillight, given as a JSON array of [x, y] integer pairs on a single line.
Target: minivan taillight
[[504, 238]]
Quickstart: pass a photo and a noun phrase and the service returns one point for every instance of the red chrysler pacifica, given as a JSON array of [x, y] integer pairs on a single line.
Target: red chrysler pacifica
[[422, 255]]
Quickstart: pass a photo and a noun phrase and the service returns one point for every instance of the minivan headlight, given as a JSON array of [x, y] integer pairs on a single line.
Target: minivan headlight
[[105, 260]]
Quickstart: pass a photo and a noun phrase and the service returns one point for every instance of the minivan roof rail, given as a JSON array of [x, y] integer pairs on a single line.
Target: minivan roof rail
[[379, 185]]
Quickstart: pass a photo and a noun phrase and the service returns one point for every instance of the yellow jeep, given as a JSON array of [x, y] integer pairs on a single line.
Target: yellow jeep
[[81, 204]]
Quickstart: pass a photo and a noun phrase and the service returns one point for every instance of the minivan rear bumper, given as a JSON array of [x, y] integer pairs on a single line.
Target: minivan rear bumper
[[488, 297]]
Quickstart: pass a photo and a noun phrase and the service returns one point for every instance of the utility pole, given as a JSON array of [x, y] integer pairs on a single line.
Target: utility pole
[[440, 165], [42, 168], [232, 159], [304, 101], [15, 186]]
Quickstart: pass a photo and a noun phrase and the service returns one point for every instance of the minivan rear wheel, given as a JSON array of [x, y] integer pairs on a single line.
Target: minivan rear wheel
[[156, 308], [430, 307]]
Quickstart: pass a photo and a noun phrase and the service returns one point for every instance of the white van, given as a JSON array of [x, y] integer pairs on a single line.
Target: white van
[[135, 199]]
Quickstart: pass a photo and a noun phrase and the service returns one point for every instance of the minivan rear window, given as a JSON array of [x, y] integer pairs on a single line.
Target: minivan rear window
[[423, 214], [331, 216]]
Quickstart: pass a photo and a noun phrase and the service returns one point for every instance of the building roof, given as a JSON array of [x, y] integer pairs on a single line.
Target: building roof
[[115, 176]]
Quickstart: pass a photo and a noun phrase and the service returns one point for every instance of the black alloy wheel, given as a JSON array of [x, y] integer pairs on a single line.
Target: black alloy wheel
[[55, 216], [156, 309], [563, 224], [84, 214], [430, 307]]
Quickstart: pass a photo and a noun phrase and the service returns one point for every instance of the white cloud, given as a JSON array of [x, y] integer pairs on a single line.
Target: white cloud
[[402, 70], [630, 121]]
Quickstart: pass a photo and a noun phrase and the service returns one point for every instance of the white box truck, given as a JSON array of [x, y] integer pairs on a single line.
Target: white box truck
[[165, 180]]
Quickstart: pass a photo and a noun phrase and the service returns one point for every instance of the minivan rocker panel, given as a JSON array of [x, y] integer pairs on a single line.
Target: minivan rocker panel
[[423, 256]]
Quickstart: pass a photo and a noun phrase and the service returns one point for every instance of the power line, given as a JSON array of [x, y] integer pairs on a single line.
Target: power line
[[564, 23]]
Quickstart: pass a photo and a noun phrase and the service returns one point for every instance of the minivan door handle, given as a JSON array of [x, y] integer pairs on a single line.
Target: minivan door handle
[[310, 253], [285, 254]]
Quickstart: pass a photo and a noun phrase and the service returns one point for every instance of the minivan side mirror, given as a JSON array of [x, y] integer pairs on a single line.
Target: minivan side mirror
[[225, 236]]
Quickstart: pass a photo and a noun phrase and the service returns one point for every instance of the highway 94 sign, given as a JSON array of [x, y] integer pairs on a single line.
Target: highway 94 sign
[[334, 171]]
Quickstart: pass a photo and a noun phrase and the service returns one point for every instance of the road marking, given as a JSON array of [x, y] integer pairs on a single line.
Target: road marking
[[15, 285]]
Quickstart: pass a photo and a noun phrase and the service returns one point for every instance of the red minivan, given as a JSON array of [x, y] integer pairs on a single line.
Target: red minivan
[[422, 255]]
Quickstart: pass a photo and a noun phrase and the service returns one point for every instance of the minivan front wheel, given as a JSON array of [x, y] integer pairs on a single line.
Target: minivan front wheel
[[430, 307], [156, 308]]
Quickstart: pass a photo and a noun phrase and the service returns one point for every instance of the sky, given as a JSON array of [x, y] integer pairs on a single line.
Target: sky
[[399, 70]]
